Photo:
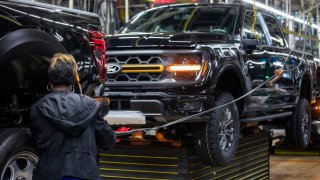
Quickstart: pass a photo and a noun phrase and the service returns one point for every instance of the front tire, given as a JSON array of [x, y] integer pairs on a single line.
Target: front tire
[[18, 157], [200, 142], [218, 139], [298, 131]]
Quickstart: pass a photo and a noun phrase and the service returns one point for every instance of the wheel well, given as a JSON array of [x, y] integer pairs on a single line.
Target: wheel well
[[305, 88], [24, 42], [24, 60], [25, 72], [23, 81], [230, 82]]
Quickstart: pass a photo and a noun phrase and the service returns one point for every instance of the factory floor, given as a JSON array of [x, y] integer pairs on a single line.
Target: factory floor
[[288, 167]]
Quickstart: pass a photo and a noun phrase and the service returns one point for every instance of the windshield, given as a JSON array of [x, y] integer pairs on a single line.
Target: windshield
[[212, 19]]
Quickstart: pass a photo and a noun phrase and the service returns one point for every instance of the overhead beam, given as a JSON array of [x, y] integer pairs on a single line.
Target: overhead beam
[[311, 8], [318, 31], [126, 10], [280, 13], [71, 4], [302, 6]]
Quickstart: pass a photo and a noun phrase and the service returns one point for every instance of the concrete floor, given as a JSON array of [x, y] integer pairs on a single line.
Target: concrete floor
[[284, 167]]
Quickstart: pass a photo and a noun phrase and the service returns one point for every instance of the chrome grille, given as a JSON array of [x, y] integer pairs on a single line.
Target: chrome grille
[[135, 60]]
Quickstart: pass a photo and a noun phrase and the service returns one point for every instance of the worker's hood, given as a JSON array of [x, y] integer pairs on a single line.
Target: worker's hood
[[68, 112], [163, 39]]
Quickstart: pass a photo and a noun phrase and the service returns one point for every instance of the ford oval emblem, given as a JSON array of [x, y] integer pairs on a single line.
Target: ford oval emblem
[[113, 68]]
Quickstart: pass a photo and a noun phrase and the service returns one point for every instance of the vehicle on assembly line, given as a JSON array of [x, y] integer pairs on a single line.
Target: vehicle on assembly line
[[30, 33], [175, 61]]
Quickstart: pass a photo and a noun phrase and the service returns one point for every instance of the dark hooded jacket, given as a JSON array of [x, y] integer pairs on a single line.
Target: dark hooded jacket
[[66, 127]]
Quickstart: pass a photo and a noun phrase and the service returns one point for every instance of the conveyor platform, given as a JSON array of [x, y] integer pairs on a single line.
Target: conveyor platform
[[167, 163]]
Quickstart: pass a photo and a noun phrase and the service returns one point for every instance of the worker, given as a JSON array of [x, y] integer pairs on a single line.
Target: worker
[[67, 127]]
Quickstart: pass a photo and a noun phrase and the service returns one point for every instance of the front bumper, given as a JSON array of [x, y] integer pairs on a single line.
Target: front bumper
[[158, 105]]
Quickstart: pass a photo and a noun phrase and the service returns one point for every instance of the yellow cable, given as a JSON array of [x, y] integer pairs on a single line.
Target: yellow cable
[[11, 20], [257, 36], [254, 16], [188, 20]]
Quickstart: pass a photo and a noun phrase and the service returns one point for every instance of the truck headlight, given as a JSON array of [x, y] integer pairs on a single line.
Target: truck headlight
[[186, 67]]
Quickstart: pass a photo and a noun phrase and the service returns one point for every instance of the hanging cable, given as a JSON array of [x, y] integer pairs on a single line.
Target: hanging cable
[[254, 16], [257, 36]]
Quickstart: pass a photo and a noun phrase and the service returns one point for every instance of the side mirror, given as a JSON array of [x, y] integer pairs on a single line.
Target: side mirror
[[250, 44]]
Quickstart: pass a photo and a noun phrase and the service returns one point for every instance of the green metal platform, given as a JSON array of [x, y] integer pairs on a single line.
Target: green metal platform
[[166, 163]]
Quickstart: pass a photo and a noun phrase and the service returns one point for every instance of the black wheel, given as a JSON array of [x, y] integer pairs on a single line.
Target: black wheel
[[217, 141], [298, 130], [18, 157], [200, 143]]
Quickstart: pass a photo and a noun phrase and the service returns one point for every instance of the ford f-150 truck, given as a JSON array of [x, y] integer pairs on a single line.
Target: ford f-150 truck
[[30, 33], [178, 60]]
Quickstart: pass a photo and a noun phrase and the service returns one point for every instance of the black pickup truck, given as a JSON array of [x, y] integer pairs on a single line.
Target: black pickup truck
[[178, 60], [30, 33]]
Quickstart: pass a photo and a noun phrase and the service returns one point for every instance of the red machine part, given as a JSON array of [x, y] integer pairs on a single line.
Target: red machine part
[[122, 129], [98, 49]]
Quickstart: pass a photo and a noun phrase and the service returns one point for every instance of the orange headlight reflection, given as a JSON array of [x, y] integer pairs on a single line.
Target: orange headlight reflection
[[179, 68]]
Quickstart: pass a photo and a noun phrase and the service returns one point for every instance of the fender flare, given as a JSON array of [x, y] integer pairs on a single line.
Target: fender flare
[[216, 76], [308, 75], [223, 69], [28, 41]]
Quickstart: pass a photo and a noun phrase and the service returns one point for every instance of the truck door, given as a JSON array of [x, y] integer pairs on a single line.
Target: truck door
[[283, 88], [270, 55]]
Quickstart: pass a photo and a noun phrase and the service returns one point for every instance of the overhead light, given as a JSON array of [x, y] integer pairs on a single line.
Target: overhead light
[[280, 13]]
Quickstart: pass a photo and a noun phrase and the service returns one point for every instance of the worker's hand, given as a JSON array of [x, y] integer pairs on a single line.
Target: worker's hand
[[104, 104], [102, 99], [278, 72]]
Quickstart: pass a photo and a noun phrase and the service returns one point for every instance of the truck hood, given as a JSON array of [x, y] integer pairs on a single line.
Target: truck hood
[[28, 14], [163, 39]]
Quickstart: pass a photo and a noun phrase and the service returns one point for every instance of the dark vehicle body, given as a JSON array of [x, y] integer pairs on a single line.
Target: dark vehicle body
[[231, 58], [32, 29], [230, 67], [30, 33]]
